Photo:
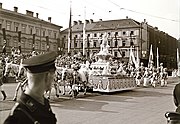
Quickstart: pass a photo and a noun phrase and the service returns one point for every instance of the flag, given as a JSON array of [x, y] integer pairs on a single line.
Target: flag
[[19, 41], [47, 43], [178, 63], [4, 41], [157, 58], [137, 58], [150, 56], [33, 44], [70, 32], [84, 31], [132, 58]]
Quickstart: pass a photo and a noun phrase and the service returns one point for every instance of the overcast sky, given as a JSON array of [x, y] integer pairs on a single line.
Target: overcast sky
[[164, 14]]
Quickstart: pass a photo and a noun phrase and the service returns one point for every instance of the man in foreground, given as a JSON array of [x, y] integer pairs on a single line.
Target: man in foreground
[[32, 107]]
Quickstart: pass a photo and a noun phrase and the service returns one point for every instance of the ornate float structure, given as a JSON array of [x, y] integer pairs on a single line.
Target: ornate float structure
[[103, 78]]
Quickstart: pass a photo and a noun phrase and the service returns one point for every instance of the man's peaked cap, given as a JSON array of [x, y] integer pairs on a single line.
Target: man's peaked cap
[[40, 63]]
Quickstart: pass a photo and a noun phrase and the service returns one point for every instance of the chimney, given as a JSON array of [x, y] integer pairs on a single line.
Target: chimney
[[29, 13], [91, 21], [49, 19], [75, 22], [127, 17], [15, 9], [37, 15], [79, 22], [0, 5], [87, 21], [100, 20]]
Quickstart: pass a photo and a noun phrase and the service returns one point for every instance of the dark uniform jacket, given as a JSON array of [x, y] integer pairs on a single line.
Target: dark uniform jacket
[[29, 111]]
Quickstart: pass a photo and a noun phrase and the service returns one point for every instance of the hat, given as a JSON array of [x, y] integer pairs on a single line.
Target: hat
[[40, 63]]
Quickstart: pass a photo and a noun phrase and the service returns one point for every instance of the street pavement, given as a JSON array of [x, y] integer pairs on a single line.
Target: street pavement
[[139, 106]]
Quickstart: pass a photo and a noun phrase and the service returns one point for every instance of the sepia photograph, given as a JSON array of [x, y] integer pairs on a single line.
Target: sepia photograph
[[89, 62]]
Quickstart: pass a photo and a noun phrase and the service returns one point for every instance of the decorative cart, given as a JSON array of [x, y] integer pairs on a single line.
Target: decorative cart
[[102, 76]]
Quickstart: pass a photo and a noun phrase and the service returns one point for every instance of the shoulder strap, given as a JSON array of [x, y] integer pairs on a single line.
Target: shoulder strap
[[28, 115]]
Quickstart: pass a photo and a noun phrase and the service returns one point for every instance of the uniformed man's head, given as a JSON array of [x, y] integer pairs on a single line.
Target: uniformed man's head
[[41, 67]]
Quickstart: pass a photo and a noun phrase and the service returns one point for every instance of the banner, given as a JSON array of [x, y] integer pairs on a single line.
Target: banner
[[178, 63], [157, 58], [150, 56]]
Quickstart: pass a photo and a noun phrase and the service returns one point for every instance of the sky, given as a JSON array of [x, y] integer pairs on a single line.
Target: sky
[[164, 14]]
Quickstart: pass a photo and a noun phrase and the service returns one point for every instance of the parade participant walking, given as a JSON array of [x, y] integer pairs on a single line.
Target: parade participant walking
[[164, 77], [32, 107], [138, 77], [146, 78]]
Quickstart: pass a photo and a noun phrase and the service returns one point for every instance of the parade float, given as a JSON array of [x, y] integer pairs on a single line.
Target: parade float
[[103, 78]]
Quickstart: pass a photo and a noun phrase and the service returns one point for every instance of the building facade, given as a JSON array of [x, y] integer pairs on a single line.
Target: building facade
[[124, 34], [27, 32]]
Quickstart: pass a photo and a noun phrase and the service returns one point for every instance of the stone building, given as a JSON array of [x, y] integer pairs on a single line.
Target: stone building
[[124, 34], [27, 32]]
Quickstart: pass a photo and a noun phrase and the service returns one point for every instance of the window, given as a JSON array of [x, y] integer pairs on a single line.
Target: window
[[95, 35], [94, 44], [123, 43], [44, 33], [43, 46], [8, 25], [49, 33], [55, 35], [131, 43], [16, 29], [23, 28], [0, 26], [30, 29], [116, 44], [16, 25], [124, 33], [132, 33], [37, 31], [115, 54], [123, 54], [15, 43], [109, 43], [75, 45], [30, 45], [88, 35], [116, 33]]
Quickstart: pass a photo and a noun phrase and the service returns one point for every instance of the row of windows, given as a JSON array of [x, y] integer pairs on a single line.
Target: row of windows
[[39, 31], [95, 44], [25, 43], [124, 33]]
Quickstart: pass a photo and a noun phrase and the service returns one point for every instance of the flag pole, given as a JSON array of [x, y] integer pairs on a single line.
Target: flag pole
[[70, 31], [84, 31]]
